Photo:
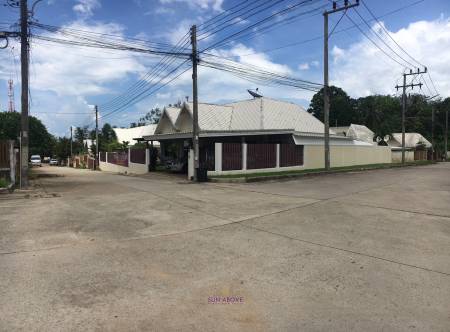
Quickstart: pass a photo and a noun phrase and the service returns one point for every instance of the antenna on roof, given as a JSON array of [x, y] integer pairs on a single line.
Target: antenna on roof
[[255, 94]]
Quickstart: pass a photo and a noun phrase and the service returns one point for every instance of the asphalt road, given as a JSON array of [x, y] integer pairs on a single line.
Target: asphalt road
[[360, 251]]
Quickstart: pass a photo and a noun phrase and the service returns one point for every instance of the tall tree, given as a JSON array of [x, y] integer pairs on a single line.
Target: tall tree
[[381, 114], [108, 134], [41, 141], [342, 107]]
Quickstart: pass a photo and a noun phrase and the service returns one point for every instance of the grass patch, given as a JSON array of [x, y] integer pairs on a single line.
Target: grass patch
[[319, 170], [3, 183]]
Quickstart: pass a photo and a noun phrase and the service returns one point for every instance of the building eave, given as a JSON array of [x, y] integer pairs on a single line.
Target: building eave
[[228, 133]]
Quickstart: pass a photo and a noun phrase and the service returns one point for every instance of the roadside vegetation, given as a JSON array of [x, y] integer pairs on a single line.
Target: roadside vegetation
[[382, 114], [3, 183]]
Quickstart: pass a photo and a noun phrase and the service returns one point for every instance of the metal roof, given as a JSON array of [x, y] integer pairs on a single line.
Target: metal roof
[[131, 135], [355, 131], [411, 140], [254, 114]]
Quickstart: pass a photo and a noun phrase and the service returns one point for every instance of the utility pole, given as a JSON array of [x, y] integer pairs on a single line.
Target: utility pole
[[24, 54], [433, 121], [432, 132], [326, 96], [71, 142], [96, 138], [404, 86], [446, 135], [195, 131]]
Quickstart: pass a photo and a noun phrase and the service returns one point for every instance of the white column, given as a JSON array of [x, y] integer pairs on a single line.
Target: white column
[[191, 164], [218, 157], [147, 157], [244, 156], [106, 157], [129, 157], [278, 156]]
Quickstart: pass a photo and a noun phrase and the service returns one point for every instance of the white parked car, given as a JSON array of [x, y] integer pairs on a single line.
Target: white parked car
[[53, 161], [36, 160]]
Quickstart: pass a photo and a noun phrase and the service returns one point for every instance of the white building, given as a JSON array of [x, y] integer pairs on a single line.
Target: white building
[[356, 132], [416, 146], [257, 135], [133, 135]]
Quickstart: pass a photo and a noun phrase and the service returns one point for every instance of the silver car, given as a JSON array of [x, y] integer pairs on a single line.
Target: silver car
[[36, 160]]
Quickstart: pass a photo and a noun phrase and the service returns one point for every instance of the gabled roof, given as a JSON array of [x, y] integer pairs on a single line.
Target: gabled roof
[[170, 115], [355, 131], [267, 113], [411, 140], [259, 114], [212, 117]]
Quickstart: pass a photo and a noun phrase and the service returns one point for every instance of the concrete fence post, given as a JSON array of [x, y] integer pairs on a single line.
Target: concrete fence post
[[244, 156], [278, 156], [106, 157], [147, 157], [218, 157]]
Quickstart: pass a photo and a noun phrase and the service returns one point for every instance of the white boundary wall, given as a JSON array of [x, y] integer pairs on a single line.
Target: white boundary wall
[[397, 156], [132, 168], [313, 158]]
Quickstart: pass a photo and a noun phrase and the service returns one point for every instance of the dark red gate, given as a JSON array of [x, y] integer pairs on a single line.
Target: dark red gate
[[291, 155], [231, 156], [262, 155]]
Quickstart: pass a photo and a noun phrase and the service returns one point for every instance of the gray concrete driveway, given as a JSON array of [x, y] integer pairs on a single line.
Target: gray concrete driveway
[[361, 251]]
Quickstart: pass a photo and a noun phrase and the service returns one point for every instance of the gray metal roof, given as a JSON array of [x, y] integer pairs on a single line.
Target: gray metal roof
[[254, 114]]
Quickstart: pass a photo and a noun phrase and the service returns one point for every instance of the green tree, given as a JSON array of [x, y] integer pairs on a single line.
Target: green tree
[[62, 148], [107, 139], [381, 114], [41, 142], [342, 107], [108, 133]]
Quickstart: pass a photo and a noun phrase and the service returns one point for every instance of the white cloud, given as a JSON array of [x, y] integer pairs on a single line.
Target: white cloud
[[179, 31], [66, 79], [85, 8], [217, 86], [362, 69], [202, 4], [80, 71], [303, 66], [246, 55]]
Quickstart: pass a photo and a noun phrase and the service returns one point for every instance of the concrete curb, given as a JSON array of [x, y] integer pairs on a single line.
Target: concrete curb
[[247, 179]]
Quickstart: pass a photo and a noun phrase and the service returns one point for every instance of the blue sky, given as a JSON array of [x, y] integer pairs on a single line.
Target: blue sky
[[68, 79]]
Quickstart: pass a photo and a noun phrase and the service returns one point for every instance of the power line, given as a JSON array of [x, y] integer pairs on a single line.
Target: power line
[[374, 43], [389, 35], [224, 25], [270, 26], [336, 32], [382, 40], [270, 17], [163, 64]]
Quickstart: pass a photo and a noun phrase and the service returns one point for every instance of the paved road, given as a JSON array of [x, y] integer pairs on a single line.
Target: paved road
[[361, 251]]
